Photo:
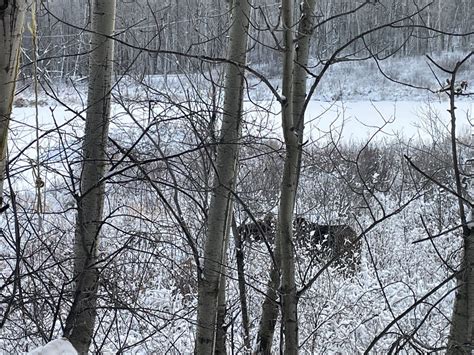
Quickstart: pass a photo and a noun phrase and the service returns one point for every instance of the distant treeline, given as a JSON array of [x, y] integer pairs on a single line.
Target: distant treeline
[[200, 27]]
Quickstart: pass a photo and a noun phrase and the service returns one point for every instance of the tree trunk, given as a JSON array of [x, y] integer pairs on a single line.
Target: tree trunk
[[225, 169], [81, 319], [461, 335], [240, 260], [12, 18], [294, 90], [288, 190], [300, 75], [221, 333], [270, 307]]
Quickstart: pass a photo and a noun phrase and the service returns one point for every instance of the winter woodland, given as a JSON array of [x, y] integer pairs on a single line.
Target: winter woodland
[[236, 177]]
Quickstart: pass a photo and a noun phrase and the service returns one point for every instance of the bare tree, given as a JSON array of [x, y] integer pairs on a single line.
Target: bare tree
[[12, 18], [458, 187], [81, 319], [461, 337], [288, 188], [220, 210], [294, 94]]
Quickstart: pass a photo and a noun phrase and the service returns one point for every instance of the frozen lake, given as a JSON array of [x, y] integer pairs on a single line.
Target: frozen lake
[[410, 119], [351, 121], [359, 120]]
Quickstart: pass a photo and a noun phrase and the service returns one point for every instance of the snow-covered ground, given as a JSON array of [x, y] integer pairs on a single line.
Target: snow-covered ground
[[354, 121], [338, 314], [55, 347], [358, 121]]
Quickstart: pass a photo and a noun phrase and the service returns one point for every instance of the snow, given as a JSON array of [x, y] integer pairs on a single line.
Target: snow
[[60, 346], [352, 120], [347, 313], [357, 121]]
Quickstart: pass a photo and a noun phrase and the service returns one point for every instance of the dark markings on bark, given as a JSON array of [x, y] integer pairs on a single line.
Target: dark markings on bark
[[3, 5]]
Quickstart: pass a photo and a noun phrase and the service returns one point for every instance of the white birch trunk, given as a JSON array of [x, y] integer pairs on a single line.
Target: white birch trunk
[[221, 334], [81, 319], [303, 41], [288, 189], [294, 89], [12, 18], [225, 169]]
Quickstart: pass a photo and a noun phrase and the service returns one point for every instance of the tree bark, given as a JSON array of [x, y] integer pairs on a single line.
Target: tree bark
[[300, 75], [221, 331], [270, 307], [288, 190], [240, 260], [461, 335], [294, 91], [224, 179], [12, 18], [80, 322]]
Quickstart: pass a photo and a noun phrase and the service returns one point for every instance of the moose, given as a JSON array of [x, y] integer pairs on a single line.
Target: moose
[[321, 241]]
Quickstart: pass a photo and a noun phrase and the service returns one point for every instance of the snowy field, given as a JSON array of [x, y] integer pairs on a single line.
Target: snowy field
[[338, 314]]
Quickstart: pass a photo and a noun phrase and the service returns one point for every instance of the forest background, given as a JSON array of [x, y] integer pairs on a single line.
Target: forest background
[[387, 150]]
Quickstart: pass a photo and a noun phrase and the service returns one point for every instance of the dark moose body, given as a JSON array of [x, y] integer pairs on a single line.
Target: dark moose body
[[323, 242]]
